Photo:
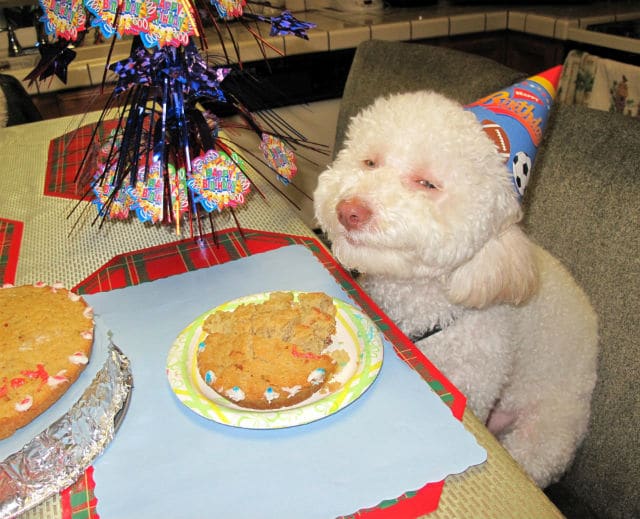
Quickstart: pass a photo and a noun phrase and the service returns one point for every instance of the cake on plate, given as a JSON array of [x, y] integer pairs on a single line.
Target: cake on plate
[[46, 336], [271, 354]]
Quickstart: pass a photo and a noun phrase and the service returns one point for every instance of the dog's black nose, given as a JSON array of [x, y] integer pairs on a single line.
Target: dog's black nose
[[353, 213]]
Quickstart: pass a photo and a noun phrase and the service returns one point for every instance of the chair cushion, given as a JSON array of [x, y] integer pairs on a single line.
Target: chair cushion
[[382, 68], [582, 204]]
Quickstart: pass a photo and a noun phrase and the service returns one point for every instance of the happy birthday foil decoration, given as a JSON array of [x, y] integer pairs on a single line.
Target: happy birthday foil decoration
[[148, 193], [178, 194], [168, 161], [114, 17], [229, 9], [148, 162], [279, 157], [64, 19], [117, 198], [157, 22], [174, 24], [147, 196], [113, 199], [218, 181]]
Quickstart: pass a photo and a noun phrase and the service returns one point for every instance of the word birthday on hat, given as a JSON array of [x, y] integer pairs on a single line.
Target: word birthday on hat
[[519, 104]]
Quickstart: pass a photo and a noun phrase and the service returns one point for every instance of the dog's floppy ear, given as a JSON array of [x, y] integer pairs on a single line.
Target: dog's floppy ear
[[503, 271]]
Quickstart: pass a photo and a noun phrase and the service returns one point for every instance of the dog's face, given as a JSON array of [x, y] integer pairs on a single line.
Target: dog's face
[[417, 190]]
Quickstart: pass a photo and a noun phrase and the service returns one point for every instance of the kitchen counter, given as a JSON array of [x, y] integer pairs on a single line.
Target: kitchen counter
[[340, 31]]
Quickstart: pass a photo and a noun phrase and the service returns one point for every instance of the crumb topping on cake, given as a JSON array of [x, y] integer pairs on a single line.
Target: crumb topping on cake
[[271, 354]]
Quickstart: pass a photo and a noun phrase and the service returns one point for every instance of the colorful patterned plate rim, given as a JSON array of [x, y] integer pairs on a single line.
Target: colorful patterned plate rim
[[355, 333]]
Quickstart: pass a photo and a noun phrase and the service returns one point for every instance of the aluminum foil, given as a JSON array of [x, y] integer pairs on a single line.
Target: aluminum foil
[[58, 456]]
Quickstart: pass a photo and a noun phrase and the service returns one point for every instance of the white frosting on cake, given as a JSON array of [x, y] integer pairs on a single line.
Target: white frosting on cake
[[316, 376], [24, 404], [235, 393], [57, 379], [78, 358], [270, 394], [210, 377], [291, 391]]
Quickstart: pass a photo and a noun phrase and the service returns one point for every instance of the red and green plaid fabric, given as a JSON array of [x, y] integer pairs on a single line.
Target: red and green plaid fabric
[[79, 501], [10, 239], [407, 506], [65, 156], [182, 256]]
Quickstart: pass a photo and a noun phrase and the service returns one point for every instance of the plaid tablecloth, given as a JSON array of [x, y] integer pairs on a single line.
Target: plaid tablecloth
[[62, 240]]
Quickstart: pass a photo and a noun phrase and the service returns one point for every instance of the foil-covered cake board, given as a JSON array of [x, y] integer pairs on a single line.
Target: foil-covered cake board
[[58, 456]]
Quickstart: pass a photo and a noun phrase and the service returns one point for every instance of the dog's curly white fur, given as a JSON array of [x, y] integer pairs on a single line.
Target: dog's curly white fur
[[421, 204]]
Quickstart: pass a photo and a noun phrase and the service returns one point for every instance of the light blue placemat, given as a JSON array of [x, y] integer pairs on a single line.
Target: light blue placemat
[[168, 462]]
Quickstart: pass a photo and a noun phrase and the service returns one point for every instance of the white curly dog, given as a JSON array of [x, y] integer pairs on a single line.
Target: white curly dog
[[420, 203]]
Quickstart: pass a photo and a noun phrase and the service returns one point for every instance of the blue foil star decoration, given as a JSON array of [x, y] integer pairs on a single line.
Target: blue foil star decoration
[[203, 80], [286, 24], [136, 69], [188, 67], [54, 60]]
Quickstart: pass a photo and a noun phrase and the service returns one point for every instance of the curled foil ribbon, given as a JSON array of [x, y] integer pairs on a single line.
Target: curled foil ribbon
[[58, 456]]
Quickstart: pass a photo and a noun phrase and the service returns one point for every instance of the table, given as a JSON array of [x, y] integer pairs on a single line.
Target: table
[[35, 245]]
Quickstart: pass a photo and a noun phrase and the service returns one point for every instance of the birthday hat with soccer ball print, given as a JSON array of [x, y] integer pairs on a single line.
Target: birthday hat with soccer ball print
[[515, 117]]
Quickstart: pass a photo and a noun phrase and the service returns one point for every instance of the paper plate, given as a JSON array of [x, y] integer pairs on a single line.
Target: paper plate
[[355, 333]]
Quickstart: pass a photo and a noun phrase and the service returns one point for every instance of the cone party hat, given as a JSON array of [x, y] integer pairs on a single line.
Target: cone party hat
[[515, 117]]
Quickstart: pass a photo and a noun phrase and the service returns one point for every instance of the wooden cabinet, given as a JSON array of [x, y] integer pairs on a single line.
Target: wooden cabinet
[[491, 45], [71, 102], [289, 80], [523, 52], [532, 54]]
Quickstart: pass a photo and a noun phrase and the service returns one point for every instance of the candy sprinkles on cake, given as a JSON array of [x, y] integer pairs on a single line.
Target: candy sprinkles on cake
[[271, 354]]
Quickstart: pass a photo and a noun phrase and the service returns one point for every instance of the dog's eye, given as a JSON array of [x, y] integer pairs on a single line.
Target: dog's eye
[[369, 163], [426, 184]]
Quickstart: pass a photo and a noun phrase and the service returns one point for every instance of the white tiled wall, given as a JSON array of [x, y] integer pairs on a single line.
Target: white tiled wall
[[429, 27]]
